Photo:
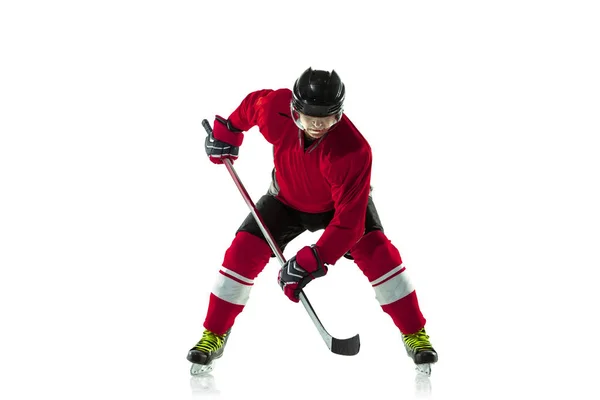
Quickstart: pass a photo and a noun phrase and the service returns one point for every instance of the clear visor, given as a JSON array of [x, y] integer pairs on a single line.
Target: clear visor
[[315, 124]]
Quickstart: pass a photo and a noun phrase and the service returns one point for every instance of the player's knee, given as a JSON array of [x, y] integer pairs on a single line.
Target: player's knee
[[247, 255], [374, 253]]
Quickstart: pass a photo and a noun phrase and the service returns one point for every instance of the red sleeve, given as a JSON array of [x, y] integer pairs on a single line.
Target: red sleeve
[[251, 111], [350, 180]]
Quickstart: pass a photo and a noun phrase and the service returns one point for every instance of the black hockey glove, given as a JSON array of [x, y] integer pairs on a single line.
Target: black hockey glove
[[224, 142], [299, 270]]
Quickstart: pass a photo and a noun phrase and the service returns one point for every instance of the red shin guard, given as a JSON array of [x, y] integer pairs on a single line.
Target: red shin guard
[[377, 257], [244, 260], [248, 255]]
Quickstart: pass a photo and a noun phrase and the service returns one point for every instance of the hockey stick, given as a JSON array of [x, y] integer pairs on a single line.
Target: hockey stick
[[345, 347]]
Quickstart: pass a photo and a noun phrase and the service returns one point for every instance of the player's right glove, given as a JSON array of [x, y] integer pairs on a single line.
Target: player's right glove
[[224, 142]]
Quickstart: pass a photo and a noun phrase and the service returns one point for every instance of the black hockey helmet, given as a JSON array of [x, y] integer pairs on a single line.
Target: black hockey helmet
[[318, 93]]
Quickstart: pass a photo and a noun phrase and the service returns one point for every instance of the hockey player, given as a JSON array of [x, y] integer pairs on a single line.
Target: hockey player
[[320, 181]]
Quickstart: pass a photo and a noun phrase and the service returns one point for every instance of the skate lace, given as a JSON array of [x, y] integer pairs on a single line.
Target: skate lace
[[418, 340], [210, 342]]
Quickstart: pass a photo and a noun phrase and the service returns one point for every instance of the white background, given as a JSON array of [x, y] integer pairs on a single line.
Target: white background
[[483, 119]]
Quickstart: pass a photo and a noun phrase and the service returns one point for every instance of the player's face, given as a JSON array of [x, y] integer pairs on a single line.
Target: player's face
[[316, 127]]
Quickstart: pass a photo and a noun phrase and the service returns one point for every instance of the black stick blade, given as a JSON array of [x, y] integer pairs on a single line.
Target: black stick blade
[[346, 347]]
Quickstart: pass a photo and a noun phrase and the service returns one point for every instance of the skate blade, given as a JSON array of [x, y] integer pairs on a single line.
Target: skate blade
[[422, 385], [201, 369], [424, 369], [203, 385]]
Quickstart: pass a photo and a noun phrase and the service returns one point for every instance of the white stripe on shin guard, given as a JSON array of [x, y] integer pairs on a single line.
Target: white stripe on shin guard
[[387, 275], [389, 290], [228, 289], [238, 276]]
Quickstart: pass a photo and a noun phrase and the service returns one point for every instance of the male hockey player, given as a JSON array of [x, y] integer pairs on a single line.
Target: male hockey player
[[321, 180]]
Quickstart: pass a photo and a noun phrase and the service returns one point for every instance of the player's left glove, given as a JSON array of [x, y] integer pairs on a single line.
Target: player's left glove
[[299, 270]]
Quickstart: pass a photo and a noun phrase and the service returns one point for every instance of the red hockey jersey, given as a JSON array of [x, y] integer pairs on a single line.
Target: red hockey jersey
[[334, 173]]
